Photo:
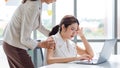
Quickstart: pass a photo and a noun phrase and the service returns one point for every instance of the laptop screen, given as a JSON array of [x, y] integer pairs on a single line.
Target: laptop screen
[[107, 50]]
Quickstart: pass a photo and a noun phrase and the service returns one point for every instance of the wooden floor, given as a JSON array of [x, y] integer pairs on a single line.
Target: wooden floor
[[3, 60]]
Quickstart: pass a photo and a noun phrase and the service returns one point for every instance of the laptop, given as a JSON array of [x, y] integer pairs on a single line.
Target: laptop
[[104, 54]]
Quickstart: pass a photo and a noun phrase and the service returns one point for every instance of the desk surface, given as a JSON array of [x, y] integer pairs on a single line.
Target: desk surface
[[113, 62]]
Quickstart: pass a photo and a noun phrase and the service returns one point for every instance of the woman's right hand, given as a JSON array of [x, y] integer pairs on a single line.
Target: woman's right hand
[[84, 57], [80, 31]]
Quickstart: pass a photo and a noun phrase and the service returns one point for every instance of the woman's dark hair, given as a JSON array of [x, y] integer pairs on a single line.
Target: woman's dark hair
[[66, 21], [23, 1]]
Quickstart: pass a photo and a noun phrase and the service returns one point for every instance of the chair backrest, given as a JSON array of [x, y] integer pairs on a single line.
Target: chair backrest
[[37, 56]]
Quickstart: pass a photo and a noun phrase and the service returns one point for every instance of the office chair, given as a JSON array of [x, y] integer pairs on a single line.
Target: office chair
[[37, 56]]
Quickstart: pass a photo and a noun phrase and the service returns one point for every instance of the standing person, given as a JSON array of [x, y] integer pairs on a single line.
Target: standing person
[[17, 34], [65, 49]]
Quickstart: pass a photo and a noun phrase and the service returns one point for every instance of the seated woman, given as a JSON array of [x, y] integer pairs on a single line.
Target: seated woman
[[65, 49]]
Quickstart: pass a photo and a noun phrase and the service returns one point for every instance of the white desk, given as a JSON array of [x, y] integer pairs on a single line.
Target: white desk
[[113, 62]]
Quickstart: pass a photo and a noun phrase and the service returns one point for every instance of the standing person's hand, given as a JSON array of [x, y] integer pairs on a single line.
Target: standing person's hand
[[49, 43]]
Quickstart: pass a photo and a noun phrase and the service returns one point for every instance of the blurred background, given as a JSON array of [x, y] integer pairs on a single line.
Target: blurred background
[[100, 20]]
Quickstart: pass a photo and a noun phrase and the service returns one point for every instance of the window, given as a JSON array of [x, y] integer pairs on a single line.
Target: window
[[118, 22], [64, 7], [46, 19], [118, 25], [6, 11], [96, 17]]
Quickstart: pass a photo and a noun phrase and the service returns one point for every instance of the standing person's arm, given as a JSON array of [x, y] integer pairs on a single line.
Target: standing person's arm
[[49, 43], [43, 30], [88, 49]]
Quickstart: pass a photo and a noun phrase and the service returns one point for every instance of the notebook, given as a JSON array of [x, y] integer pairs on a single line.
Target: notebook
[[104, 54]]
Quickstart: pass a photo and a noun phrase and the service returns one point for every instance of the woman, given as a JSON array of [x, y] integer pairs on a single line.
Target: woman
[[17, 34], [65, 49]]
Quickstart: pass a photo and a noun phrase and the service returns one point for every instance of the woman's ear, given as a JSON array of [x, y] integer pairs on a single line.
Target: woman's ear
[[63, 28]]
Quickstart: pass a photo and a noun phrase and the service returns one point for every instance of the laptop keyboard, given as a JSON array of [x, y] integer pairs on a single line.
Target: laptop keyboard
[[93, 61]]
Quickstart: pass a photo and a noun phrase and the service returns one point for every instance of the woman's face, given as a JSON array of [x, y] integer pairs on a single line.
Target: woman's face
[[71, 31], [49, 1]]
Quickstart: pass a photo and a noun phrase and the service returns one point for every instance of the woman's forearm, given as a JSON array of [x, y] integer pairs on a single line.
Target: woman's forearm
[[60, 60], [87, 46]]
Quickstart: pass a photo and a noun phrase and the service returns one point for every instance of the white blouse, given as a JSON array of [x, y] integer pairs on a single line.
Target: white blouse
[[62, 48]]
